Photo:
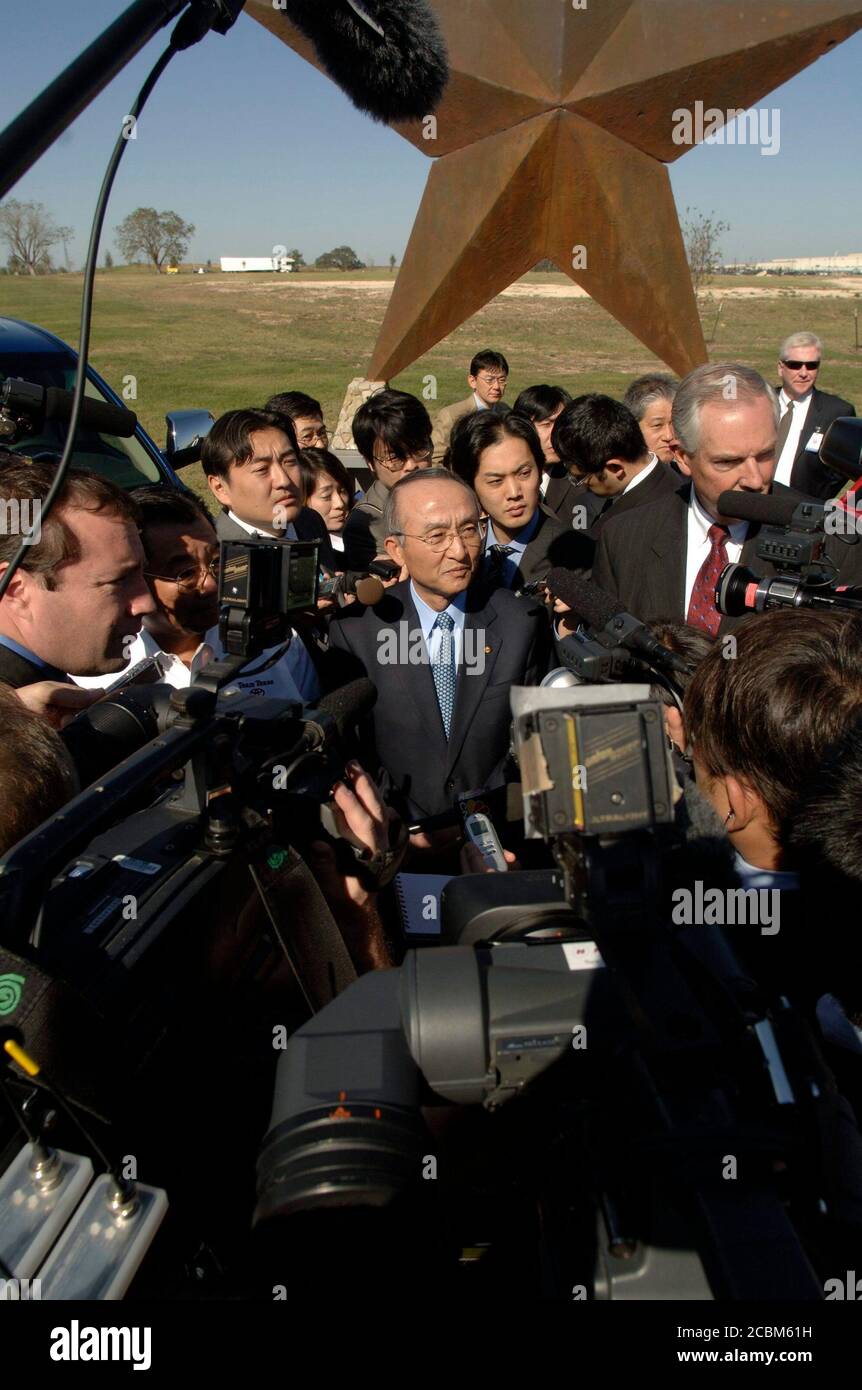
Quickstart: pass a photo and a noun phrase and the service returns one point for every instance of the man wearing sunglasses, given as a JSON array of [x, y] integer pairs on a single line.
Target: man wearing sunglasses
[[487, 379], [806, 414], [182, 570]]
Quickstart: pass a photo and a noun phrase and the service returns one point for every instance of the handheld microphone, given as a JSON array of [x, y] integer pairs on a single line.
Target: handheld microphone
[[367, 587], [387, 56], [38, 403], [349, 703], [612, 626]]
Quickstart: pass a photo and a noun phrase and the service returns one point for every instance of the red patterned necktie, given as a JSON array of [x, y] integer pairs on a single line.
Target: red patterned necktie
[[702, 611]]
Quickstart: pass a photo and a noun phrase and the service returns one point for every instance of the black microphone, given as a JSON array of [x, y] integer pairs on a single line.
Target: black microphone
[[349, 703], [605, 617], [765, 508], [387, 56], [39, 403]]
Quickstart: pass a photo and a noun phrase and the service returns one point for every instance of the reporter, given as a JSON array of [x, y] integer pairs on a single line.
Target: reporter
[[79, 597]]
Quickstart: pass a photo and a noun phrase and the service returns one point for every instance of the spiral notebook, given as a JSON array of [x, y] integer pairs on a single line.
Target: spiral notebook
[[418, 898]]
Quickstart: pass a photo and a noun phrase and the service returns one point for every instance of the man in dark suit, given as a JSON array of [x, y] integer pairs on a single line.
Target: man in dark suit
[[249, 458], [501, 459], [79, 597], [601, 439], [487, 377], [663, 560], [806, 414], [442, 651]]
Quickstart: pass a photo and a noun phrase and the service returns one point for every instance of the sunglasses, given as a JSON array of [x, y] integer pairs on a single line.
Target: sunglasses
[[795, 366]]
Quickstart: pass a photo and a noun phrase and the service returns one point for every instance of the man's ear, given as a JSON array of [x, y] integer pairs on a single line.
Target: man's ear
[[219, 488], [472, 382], [674, 726], [747, 805], [394, 551], [618, 468], [681, 458], [17, 594]]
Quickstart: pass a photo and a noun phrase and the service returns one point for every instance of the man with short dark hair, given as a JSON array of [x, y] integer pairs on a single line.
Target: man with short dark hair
[[79, 596], [36, 771], [487, 378], [806, 414], [307, 416], [601, 438], [392, 431], [249, 458], [441, 651], [561, 487]]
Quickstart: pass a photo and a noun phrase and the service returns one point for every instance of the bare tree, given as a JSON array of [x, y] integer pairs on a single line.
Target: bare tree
[[155, 236], [30, 231], [392, 264], [702, 233]]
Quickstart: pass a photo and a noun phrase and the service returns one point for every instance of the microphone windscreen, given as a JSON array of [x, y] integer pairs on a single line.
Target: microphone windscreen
[[398, 74], [767, 508], [349, 703], [587, 601], [842, 447], [98, 415], [369, 590]]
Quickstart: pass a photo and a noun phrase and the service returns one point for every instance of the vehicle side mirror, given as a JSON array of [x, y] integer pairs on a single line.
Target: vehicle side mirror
[[187, 429]]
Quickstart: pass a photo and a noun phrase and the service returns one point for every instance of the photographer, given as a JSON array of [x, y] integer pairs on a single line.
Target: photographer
[[79, 596]]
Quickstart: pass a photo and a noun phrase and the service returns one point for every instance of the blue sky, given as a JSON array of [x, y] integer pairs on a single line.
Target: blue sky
[[252, 145]]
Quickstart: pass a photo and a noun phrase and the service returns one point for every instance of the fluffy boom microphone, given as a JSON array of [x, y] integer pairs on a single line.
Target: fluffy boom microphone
[[388, 56]]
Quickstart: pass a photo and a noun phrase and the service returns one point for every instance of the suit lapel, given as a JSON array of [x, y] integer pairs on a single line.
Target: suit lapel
[[481, 646], [413, 675], [670, 543]]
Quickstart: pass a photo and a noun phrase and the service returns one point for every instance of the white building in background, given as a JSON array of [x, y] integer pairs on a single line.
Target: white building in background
[[246, 263], [806, 265]]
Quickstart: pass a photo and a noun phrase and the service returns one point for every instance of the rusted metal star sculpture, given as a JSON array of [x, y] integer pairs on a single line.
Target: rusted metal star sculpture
[[552, 140]]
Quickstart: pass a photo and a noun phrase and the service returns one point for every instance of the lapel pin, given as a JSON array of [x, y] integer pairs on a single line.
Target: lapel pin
[[487, 650]]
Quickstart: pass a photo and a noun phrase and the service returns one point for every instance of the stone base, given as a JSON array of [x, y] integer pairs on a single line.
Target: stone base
[[357, 393]]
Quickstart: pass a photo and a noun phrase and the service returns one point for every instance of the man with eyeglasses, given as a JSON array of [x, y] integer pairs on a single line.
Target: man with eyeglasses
[[182, 570], [307, 416], [487, 378], [806, 414], [392, 431], [442, 651]]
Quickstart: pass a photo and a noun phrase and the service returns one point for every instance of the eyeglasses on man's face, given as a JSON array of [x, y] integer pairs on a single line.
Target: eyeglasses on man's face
[[310, 436], [472, 533], [492, 378], [394, 465], [192, 578]]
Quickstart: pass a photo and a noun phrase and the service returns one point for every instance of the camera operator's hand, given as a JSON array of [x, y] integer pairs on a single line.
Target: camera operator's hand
[[360, 815], [474, 862], [565, 625], [57, 702]]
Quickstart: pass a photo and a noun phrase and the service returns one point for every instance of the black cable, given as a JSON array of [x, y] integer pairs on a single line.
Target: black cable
[[87, 310]]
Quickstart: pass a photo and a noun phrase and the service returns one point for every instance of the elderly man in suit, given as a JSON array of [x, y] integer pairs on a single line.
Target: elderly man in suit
[[662, 561], [487, 377], [806, 414], [442, 651]]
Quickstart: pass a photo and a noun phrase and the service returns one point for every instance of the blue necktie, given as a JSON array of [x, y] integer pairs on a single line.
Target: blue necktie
[[443, 666]]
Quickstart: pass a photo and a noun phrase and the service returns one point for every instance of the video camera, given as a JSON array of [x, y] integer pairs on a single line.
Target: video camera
[[612, 1063], [171, 896], [792, 538]]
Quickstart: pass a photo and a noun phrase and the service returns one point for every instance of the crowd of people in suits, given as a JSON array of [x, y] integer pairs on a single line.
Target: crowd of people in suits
[[472, 511]]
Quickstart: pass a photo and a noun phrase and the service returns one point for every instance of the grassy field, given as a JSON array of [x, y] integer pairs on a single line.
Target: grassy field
[[222, 341]]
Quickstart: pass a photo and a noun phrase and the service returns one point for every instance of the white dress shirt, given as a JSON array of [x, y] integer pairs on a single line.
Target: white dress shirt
[[428, 616], [642, 476], [698, 544], [784, 466]]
